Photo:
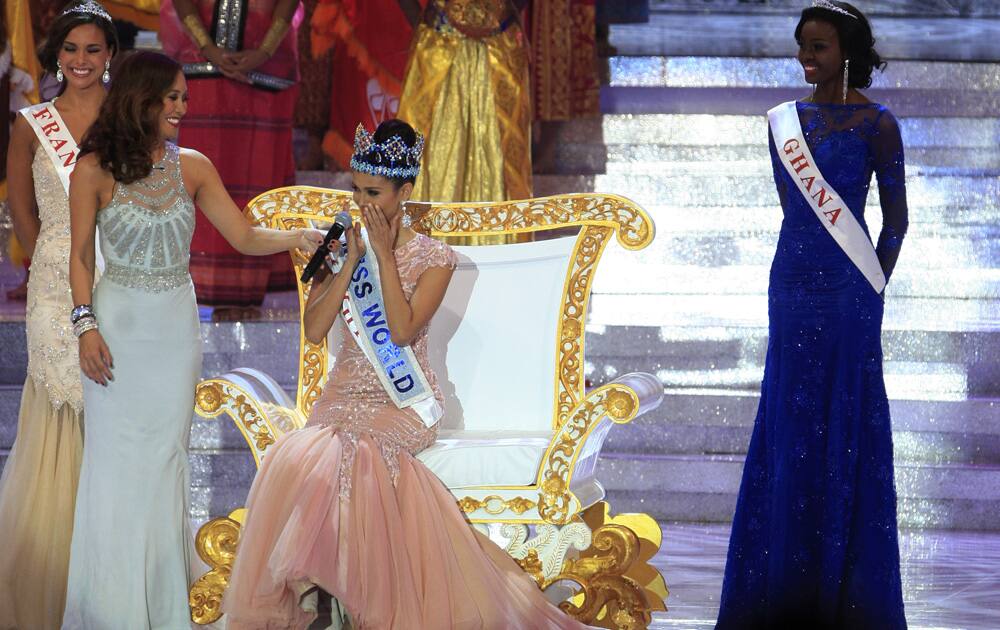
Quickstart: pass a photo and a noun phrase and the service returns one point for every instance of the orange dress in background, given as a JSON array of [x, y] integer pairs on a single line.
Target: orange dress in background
[[371, 43], [343, 504]]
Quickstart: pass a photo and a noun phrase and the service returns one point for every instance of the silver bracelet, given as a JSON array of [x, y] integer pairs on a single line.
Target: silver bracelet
[[83, 325], [80, 312]]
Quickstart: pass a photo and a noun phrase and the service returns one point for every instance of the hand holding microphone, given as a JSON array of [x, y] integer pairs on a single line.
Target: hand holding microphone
[[340, 223]]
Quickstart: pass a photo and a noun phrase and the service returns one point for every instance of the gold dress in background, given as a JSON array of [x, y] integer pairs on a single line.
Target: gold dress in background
[[466, 89]]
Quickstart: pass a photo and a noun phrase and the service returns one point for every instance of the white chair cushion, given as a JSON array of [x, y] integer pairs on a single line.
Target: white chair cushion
[[487, 458]]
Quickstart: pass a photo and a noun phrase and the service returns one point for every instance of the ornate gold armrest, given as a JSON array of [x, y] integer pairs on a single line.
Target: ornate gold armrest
[[216, 546], [261, 409], [566, 479], [263, 412]]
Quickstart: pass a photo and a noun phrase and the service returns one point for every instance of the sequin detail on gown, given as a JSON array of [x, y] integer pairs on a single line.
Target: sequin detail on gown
[[146, 230], [39, 481], [53, 362], [814, 538], [356, 397]]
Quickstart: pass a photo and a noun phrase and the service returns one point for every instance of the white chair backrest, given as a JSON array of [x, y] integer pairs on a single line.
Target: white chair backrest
[[493, 341]]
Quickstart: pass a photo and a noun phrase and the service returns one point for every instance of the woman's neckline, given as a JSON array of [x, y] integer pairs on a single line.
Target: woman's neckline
[[812, 104], [403, 246]]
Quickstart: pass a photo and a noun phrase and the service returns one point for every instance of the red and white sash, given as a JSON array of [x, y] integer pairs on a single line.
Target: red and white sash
[[55, 138], [830, 209], [60, 147]]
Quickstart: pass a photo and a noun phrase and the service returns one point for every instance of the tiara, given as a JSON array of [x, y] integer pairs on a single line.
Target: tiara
[[392, 158], [91, 7], [829, 6]]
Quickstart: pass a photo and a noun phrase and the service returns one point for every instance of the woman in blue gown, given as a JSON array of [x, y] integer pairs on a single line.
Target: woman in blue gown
[[814, 540]]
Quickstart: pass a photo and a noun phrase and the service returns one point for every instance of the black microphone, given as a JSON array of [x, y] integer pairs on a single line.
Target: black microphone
[[341, 223]]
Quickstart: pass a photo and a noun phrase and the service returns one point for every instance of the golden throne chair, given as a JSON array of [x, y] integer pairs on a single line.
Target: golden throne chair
[[521, 435]]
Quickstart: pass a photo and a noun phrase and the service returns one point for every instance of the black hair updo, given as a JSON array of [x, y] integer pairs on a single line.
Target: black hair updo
[[857, 43]]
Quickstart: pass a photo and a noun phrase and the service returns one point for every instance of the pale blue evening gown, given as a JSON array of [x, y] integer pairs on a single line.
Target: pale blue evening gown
[[132, 547]]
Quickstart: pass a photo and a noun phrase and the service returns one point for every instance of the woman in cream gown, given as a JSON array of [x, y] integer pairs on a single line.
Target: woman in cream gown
[[38, 487], [131, 550]]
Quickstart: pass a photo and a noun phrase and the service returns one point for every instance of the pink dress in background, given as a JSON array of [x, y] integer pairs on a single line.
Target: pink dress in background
[[343, 504]]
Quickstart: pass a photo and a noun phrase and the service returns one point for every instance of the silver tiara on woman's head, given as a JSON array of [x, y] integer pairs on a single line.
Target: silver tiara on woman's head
[[94, 8], [392, 158], [829, 6]]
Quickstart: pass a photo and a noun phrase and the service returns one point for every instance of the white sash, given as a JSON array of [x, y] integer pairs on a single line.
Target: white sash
[[61, 149], [397, 368], [830, 209], [55, 138]]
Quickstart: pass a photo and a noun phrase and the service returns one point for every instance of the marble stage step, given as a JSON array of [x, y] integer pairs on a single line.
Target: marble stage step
[[716, 421], [906, 8], [703, 488], [786, 72], [720, 31], [699, 142], [733, 85]]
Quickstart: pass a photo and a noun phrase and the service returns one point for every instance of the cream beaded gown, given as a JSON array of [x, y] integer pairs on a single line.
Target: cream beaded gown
[[38, 487], [132, 544]]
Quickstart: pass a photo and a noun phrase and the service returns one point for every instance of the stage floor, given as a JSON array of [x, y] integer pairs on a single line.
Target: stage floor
[[950, 578]]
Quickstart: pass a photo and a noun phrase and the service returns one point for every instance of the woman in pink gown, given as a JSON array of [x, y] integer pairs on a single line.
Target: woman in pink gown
[[343, 504]]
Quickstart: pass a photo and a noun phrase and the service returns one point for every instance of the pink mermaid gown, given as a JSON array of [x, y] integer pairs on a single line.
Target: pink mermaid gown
[[344, 505]]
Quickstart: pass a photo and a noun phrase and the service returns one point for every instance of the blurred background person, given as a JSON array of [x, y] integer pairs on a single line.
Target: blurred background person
[[467, 89]]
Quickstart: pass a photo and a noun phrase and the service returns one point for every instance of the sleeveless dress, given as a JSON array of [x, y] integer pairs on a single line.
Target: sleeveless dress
[[132, 546], [814, 542], [38, 487], [343, 504]]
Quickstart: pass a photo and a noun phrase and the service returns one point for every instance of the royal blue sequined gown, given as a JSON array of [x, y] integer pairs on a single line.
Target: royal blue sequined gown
[[813, 543]]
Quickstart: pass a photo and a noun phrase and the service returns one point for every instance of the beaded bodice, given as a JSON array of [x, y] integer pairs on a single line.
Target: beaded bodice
[[355, 402], [146, 229], [52, 350]]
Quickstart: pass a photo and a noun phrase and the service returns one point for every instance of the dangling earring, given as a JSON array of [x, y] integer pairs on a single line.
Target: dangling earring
[[106, 77], [847, 66], [405, 221], [59, 73]]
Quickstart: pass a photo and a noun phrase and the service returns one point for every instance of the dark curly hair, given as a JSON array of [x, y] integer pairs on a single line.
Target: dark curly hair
[[127, 128], [856, 40], [48, 52]]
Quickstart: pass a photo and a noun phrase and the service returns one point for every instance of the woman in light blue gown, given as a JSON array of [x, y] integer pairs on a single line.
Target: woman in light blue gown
[[131, 551]]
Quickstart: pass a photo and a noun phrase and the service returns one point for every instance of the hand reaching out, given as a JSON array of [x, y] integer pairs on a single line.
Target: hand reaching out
[[309, 240]]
